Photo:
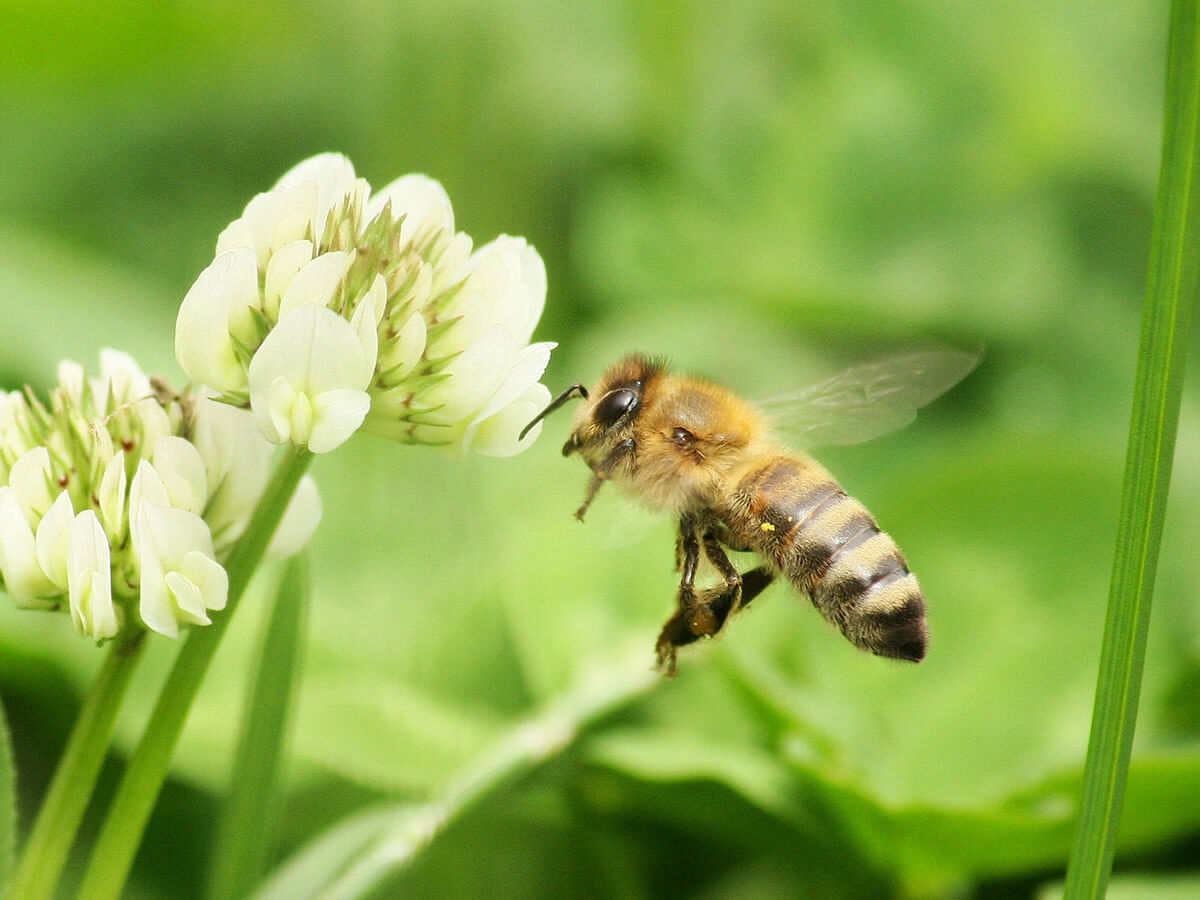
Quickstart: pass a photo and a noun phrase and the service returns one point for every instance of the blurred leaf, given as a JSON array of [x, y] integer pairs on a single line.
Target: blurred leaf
[[1140, 887], [8, 803], [929, 848], [360, 854], [334, 851], [247, 833]]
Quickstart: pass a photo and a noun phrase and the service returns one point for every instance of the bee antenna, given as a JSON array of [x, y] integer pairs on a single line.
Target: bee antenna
[[572, 391]]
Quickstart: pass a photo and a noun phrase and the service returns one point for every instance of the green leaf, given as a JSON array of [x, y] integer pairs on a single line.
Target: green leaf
[[351, 853], [357, 855], [1141, 887], [8, 804], [248, 830]]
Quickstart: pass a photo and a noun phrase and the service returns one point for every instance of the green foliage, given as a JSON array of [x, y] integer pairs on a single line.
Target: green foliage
[[764, 192], [249, 829], [8, 803]]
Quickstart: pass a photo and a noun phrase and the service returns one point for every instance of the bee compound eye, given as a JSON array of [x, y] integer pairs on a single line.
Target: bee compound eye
[[613, 405]]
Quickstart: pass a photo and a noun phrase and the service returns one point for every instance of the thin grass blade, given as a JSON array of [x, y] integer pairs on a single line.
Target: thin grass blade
[[1171, 290]]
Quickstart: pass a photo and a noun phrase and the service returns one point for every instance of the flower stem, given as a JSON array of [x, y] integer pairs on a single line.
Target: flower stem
[[121, 834], [63, 807], [1171, 288]]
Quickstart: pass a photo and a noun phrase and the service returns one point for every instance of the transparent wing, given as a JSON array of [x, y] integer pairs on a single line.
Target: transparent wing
[[868, 400]]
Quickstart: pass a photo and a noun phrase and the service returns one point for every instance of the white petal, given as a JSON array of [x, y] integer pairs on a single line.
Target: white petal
[[112, 494], [167, 541], [181, 468], [529, 367], [422, 202], [121, 371], [337, 414], [210, 578], [186, 600], [24, 579], [282, 268], [147, 487], [316, 282], [497, 435], [299, 521], [474, 376], [237, 461], [310, 352], [52, 538], [513, 277], [203, 343], [154, 420], [154, 605], [323, 168], [30, 479], [365, 323], [404, 351], [90, 582], [71, 381], [271, 220], [332, 174]]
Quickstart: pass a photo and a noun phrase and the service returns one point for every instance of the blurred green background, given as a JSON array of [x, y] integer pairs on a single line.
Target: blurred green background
[[765, 192]]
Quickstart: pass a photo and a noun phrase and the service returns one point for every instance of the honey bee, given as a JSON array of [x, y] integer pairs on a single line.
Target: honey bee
[[698, 451]]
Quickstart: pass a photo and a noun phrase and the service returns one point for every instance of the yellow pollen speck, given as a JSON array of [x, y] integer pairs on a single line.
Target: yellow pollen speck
[[767, 526]]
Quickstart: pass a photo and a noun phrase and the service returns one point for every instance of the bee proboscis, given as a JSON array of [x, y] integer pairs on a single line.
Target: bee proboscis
[[695, 449]]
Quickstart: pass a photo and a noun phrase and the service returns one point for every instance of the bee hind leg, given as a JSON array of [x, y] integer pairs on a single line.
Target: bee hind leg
[[705, 615], [721, 600]]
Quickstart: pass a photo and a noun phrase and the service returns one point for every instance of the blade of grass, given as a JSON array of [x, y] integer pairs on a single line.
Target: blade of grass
[[1171, 288], [245, 839]]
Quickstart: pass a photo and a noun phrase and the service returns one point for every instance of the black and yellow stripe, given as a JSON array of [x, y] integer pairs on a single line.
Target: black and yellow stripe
[[829, 546]]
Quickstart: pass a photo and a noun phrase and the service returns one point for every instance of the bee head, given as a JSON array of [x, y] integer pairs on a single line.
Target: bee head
[[612, 403]]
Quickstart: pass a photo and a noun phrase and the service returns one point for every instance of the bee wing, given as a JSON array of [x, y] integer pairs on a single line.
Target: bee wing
[[868, 400]]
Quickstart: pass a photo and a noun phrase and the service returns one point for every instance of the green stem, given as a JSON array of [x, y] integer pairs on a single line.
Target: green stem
[[117, 844], [1173, 278], [62, 809]]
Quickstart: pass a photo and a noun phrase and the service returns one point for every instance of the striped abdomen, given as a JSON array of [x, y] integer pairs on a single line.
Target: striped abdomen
[[828, 545]]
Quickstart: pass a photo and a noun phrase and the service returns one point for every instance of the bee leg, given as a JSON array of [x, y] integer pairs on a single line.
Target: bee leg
[[706, 615], [692, 620], [603, 472], [733, 579], [720, 599]]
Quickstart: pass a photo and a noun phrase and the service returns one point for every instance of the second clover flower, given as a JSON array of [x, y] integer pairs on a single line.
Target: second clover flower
[[329, 308]]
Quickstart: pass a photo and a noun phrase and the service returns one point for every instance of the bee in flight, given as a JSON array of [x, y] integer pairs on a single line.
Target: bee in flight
[[698, 451]]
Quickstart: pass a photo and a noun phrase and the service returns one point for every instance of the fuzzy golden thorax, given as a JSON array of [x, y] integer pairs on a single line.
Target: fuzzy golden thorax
[[670, 439]]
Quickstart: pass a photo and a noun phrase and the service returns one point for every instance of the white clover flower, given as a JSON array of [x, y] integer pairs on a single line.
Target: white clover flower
[[120, 501], [180, 579], [329, 308]]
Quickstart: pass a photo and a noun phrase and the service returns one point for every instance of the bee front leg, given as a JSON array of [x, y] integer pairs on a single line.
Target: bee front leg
[[603, 472]]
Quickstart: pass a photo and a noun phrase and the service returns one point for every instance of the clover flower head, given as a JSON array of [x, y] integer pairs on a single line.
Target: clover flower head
[[330, 307], [120, 499]]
